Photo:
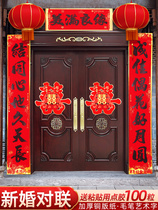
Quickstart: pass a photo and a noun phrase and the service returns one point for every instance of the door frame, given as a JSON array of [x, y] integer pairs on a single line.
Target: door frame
[[73, 39]]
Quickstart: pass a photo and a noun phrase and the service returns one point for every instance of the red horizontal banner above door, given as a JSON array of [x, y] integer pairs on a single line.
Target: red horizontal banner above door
[[79, 19]]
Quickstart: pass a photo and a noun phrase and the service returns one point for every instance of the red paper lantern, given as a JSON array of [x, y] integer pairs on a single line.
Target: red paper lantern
[[26, 17], [131, 17]]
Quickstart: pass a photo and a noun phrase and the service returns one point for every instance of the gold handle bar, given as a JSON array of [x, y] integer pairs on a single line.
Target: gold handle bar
[[82, 114], [75, 117]]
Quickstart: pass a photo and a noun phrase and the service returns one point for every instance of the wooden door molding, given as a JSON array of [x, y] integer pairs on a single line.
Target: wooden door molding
[[79, 38], [111, 40]]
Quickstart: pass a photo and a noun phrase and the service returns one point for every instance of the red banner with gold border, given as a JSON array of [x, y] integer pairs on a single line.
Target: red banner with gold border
[[18, 105], [79, 19], [140, 101]]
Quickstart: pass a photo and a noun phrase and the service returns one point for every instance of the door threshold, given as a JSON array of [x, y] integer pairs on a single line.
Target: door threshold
[[81, 179], [86, 174]]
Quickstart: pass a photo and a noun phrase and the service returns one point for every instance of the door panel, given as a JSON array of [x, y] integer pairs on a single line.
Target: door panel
[[100, 145], [53, 146], [104, 146], [58, 69], [102, 70]]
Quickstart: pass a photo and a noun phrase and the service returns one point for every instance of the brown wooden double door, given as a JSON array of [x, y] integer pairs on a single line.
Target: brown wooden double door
[[77, 139]]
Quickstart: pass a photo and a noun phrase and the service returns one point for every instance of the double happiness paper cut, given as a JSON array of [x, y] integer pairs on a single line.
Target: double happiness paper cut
[[102, 99], [52, 99]]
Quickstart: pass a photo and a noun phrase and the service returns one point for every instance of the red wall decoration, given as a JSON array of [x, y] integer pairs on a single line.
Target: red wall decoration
[[79, 19], [18, 104], [52, 99], [140, 100], [102, 99]]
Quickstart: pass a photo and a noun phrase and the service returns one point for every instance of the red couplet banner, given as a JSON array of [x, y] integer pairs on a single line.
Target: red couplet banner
[[140, 100], [79, 19], [18, 104]]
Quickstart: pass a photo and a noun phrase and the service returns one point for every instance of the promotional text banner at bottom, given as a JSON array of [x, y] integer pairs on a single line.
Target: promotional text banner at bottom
[[68, 198]]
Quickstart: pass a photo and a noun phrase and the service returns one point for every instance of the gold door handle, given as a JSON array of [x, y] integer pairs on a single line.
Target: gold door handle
[[82, 114], [75, 116]]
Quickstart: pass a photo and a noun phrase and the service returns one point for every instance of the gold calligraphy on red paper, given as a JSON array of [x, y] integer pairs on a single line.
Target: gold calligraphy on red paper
[[52, 99], [18, 99], [79, 19], [102, 99], [140, 100]]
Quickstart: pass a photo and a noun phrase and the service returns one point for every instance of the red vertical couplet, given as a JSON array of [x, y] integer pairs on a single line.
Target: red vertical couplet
[[18, 104], [140, 109]]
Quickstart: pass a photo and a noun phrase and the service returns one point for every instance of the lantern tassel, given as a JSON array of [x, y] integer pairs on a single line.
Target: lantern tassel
[[131, 34], [27, 34]]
